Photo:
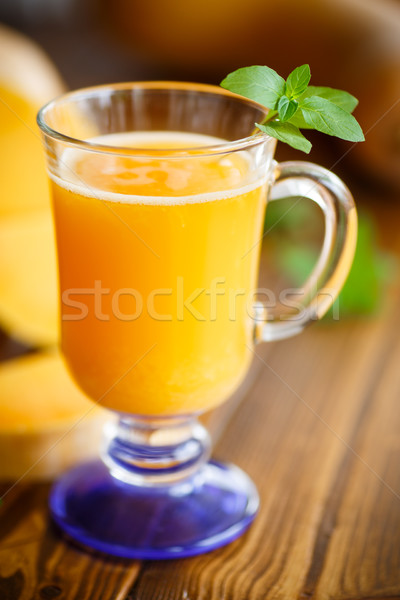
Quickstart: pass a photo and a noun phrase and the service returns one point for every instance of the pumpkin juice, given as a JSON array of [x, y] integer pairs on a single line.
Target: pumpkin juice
[[158, 255]]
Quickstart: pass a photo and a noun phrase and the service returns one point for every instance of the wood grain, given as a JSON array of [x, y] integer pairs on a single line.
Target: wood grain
[[295, 435], [36, 563], [364, 553]]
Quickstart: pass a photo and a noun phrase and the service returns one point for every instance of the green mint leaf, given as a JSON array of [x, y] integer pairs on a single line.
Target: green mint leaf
[[297, 81], [326, 117], [288, 133], [339, 97], [293, 105], [258, 83], [286, 108], [298, 121], [342, 99]]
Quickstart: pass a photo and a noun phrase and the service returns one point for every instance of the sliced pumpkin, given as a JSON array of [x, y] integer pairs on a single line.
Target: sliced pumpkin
[[28, 278], [28, 288], [28, 79], [47, 424]]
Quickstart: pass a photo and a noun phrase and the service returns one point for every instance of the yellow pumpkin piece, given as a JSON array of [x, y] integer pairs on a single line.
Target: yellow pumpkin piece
[[47, 424], [28, 79], [28, 278]]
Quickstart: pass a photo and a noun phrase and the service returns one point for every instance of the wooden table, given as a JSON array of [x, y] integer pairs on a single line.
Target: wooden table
[[318, 429]]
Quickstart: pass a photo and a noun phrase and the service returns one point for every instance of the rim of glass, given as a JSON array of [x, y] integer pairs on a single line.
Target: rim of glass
[[225, 147]]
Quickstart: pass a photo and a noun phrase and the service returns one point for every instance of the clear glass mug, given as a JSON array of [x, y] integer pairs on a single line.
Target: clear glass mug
[[159, 193]]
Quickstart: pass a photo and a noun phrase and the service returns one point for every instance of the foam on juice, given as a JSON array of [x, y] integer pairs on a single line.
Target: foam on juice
[[158, 179]]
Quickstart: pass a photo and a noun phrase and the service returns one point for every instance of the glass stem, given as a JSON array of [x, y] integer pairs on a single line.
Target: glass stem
[[153, 452]]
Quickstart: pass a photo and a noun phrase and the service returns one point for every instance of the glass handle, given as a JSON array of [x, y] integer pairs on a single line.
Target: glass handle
[[307, 180]]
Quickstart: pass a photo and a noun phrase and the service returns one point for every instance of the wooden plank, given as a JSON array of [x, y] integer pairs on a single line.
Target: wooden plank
[[35, 562], [291, 435], [363, 557]]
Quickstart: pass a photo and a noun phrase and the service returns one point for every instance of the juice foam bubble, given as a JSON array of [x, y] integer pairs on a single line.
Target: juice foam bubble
[[239, 179]]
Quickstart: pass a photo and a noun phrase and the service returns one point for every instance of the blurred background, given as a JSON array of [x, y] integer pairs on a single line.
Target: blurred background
[[350, 44]]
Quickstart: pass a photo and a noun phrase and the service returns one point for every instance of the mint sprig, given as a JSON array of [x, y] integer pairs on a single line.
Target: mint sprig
[[294, 105]]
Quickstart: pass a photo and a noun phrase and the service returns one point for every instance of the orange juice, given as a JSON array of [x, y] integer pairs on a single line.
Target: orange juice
[[156, 271]]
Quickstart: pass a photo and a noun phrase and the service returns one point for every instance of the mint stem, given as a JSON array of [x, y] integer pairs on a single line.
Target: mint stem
[[267, 119]]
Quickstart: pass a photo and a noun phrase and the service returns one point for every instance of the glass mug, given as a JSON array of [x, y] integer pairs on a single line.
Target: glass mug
[[159, 193]]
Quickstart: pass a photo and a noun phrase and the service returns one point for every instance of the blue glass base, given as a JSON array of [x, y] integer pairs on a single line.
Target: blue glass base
[[195, 515]]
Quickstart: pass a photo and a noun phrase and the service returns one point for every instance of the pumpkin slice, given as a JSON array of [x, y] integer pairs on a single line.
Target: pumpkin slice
[[28, 278], [28, 79], [46, 423]]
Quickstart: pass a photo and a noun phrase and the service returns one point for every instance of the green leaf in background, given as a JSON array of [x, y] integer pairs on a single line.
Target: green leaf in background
[[298, 81], [286, 108], [288, 133], [371, 271], [295, 217], [326, 117], [258, 83]]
